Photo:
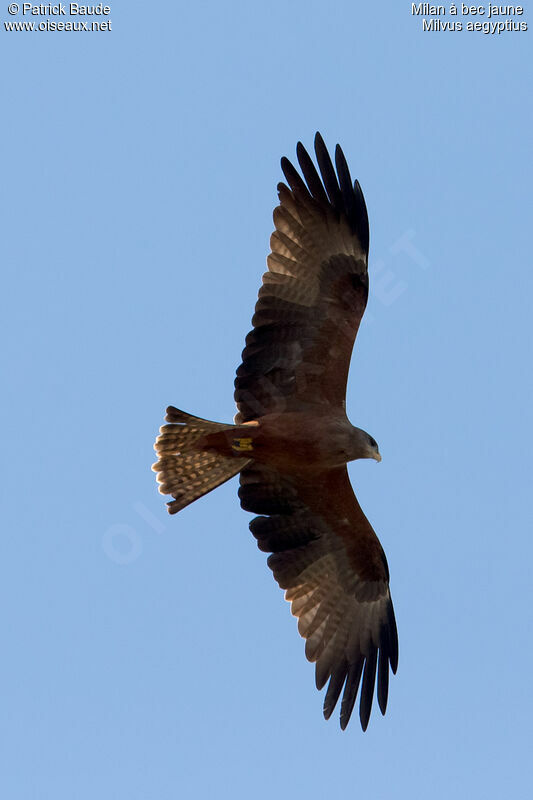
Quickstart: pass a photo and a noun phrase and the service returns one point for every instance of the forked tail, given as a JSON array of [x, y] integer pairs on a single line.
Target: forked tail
[[184, 469]]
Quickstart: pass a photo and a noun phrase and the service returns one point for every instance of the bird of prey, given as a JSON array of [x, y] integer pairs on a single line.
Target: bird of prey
[[291, 438]]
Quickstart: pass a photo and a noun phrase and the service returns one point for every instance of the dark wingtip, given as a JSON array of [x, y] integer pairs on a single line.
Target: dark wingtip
[[336, 682], [393, 641], [367, 688], [363, 228], [340, 158], [286, 167], [364, 715], [383, 680], [327, 711], [284, 161], [329, 176], [319, 141], [311, 176], [320, 680], [292, 175]]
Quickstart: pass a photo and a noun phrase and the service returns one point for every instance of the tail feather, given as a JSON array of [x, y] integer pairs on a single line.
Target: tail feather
[[185, 471]]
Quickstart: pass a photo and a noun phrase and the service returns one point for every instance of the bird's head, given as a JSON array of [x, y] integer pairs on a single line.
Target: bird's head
[[367, 446]]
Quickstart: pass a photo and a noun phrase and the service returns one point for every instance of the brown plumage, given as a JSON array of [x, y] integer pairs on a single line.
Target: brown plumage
[[291, 439]]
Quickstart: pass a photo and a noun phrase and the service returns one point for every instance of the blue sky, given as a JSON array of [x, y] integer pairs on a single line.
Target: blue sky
[[146, 656]]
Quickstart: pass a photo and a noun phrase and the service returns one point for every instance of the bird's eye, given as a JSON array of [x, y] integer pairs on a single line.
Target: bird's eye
[[373, 442]]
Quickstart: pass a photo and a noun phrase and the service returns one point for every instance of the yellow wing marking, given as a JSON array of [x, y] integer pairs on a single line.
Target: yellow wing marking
[[242, 445]]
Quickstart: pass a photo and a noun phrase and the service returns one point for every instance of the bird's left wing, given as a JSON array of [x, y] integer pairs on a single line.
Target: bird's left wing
[[329, 561]]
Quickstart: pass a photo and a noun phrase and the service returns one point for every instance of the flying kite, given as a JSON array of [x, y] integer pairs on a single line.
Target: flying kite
[[291, 438]]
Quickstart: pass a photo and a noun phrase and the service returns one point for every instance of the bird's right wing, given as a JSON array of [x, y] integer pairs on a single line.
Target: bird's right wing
[[313, 295]]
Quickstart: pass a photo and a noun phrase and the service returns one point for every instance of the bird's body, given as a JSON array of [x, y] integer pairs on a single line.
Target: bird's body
[[291, 438], [293, 443]]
